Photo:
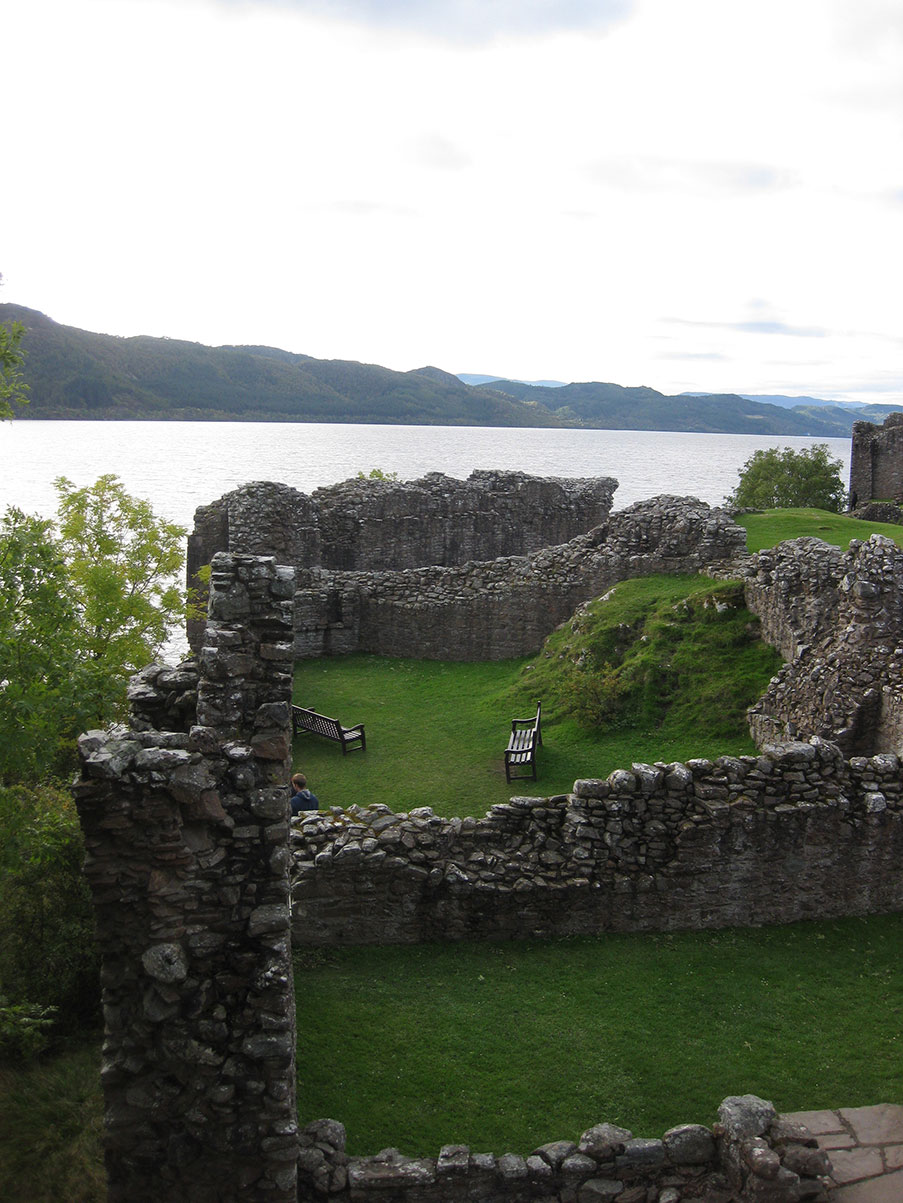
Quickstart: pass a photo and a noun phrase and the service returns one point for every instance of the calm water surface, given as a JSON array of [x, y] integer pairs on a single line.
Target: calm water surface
[[178, 466]]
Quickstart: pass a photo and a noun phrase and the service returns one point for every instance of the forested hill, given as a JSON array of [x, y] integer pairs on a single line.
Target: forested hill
[[76, 374], [616, 407]]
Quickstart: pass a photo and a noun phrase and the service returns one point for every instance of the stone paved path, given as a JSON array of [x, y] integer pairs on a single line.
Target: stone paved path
[[865, 1145]]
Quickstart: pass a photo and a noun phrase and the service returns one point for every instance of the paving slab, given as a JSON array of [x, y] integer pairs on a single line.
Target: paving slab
[[836, 1140], [886, 1189], [878, 1125], [865, 1145], [819, 1121], [851, 1165]]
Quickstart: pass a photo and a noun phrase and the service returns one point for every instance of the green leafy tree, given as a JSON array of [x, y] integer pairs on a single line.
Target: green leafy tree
[[12, 388], [41, 678], [82, 606], [123, 563], [780, 479]]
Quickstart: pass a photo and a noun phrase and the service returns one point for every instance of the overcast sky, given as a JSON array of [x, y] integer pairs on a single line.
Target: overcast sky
[[688, 194]]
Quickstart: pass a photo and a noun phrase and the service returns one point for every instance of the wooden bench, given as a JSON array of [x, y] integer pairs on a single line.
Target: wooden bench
[[304, 719], [526, 733]]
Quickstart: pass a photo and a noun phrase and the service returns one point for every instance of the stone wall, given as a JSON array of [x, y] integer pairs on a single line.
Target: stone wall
[[839, 620], [185, 816], [793, 589], [505, 607], [798, 833], [876, 461], [750, 1154], [379, 525], [879, 511], [482, 569]]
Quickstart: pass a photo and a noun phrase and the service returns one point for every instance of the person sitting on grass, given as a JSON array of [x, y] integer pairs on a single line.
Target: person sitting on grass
[[302, 798]]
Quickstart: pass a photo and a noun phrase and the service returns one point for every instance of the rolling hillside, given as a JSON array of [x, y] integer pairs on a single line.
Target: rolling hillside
[[73, 373]]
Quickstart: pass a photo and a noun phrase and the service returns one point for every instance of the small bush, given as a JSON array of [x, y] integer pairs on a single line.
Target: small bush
[[24, 1029]]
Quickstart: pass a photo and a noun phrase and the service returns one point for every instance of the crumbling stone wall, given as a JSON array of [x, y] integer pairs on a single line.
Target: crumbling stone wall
[[185, 816], [797, 833], [377, 525], [876, 461], [477, 570], [373, 525], [750, 1154], [505, 607], [793, 590], [840, 620], [879, 511]]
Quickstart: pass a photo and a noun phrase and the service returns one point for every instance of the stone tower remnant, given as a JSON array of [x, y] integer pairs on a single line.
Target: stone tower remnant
[[876, 461], [186, 820]]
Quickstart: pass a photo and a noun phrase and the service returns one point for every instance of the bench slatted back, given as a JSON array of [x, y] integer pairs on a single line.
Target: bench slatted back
[[318, 723]]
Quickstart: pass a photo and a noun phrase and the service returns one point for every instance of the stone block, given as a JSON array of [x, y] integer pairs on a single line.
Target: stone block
[[640, 1155], [604, 1142], [689, 1144], [746, 1115], [600, 1190]]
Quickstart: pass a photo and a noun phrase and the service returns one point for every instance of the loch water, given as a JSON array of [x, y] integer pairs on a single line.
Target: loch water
[[178, 466]]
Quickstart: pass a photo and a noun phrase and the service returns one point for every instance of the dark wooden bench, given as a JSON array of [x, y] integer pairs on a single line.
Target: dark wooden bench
[[526, 734], [304, 719]]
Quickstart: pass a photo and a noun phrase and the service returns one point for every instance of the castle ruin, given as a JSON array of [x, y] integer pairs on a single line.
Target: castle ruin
[[198, 875]]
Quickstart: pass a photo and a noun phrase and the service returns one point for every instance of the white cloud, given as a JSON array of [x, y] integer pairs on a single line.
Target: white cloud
[[469, 20], [532, 201]]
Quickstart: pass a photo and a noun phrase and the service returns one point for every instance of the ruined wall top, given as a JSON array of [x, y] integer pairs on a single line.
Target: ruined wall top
[[368, 523]]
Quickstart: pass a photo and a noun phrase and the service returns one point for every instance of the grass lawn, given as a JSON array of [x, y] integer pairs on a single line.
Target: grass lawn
[[436, 731], [436, 734], [769, 527], [504, 1046]]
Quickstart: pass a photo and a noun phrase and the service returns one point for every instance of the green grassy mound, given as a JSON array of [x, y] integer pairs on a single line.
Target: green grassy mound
[[679, 656]]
